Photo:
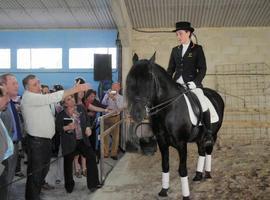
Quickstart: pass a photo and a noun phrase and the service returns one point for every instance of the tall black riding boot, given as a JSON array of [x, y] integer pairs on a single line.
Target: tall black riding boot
[[208, 137]]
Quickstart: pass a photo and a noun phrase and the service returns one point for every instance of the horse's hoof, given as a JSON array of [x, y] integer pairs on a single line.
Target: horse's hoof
[[207, 175], [185, 198], [198, 176], [163, 192]]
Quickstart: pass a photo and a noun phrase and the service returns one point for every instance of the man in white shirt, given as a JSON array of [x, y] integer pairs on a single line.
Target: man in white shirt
[[40, 127]]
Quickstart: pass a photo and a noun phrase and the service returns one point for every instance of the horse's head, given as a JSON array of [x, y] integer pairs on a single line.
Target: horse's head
[[139, 87]]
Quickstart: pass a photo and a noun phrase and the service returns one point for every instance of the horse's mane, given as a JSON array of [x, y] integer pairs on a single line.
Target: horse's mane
[[137, 75], [143, 69], [162, 73]]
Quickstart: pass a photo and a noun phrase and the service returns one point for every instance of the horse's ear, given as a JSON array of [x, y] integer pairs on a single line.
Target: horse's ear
[[153, 58], [135, 58]]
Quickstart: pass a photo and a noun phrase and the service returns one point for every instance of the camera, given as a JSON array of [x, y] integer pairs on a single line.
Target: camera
[[113, 92], [67, 121]]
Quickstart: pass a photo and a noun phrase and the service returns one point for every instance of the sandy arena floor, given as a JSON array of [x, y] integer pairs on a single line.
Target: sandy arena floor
[[239, 172]]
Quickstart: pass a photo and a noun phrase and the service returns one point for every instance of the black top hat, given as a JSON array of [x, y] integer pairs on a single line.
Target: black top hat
[[183, 26]]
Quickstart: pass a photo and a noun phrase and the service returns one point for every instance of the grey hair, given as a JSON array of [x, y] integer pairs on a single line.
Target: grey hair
[[27, 79], [3, 78]]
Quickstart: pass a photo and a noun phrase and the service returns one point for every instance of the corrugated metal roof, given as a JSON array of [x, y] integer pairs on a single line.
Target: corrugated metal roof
[[20, 14], [97, 14], [202, 13]]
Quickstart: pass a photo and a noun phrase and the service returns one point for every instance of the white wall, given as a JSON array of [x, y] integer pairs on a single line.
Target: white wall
[[221, 46], [232, 48]]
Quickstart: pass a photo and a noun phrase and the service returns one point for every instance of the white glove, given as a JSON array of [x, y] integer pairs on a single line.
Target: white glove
[[191, 85]]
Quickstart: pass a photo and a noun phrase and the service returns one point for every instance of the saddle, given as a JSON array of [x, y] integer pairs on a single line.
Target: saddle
[[195, 109]]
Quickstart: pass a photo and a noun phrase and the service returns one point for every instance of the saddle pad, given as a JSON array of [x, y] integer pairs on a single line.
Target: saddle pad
[[193, 118]]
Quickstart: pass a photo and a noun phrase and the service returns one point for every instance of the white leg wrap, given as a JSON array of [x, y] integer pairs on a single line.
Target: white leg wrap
[[208, 163], [185, 187], [200, 163], [165, 180]]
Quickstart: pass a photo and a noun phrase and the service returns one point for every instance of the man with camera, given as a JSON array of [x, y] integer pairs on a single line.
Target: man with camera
[[115, 102]]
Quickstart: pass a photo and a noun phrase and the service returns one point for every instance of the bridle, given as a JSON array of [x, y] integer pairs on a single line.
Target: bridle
[[153, 110]]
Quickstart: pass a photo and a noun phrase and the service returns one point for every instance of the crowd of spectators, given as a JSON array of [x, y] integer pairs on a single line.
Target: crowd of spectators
[[46, 123]]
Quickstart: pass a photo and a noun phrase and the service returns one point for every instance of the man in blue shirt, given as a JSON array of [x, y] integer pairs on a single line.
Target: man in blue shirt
[[11, 120], [6, 146]]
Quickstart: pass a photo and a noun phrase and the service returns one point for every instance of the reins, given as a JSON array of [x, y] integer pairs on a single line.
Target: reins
[[170, 101], [159, 107]]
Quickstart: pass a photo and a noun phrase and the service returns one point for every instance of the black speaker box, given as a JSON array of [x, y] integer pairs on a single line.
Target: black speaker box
[[102, 67]]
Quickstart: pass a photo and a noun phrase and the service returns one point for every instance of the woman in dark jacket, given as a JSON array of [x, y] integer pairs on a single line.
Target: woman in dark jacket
[[75, 129], [187, 66]]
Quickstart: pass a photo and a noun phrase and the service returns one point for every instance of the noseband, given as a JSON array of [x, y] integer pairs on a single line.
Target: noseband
[[145, 101]]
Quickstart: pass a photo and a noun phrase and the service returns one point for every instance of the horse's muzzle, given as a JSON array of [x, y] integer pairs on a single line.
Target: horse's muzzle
[[138, 114]]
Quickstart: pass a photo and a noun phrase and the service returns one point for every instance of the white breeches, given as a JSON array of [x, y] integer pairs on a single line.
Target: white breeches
[[201, 97]]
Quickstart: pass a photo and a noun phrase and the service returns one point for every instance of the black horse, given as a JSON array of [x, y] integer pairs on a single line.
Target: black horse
[[151, 91]]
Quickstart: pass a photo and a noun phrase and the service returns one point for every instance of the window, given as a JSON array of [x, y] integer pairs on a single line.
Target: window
[[4, 58], [47, 58], [83, 58]]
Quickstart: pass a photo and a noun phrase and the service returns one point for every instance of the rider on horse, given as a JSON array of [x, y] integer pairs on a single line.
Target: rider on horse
[[187, 63]]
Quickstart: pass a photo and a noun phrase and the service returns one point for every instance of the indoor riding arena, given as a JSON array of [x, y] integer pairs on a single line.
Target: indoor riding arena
[[235, 39], [239, 69]]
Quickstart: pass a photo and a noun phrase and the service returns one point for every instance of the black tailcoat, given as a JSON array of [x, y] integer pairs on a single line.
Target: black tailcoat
[[192, 66]]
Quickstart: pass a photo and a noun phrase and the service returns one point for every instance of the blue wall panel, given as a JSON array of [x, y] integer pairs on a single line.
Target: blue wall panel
[[64, 39], [64, 78]]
